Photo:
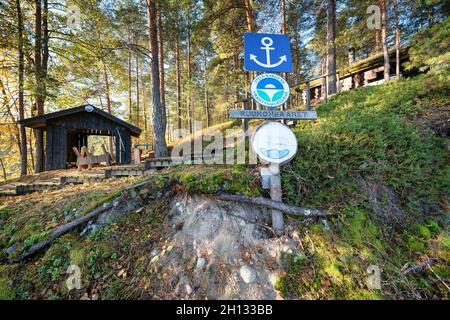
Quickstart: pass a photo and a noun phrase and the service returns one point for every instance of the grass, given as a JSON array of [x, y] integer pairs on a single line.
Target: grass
[[374, 158], [383, 136]]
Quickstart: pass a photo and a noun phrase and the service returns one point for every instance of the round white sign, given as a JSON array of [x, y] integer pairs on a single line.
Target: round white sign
[[274, 142], [270, 90]]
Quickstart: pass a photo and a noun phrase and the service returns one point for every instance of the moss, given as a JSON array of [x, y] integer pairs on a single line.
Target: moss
[[415, 245], [6, 291], [365, 294], [333, 272], [358, 229], [213, 179], [101, 201], [78, 257], [433, 226], [422, 231]]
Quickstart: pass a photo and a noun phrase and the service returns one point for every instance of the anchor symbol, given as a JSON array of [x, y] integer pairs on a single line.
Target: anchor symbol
[[267, 46]]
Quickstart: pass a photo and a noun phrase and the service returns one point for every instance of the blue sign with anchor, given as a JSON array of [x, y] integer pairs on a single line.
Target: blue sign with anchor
[[267, 52]]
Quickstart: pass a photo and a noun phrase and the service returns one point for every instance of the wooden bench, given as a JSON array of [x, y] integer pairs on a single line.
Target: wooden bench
[[87, 158]]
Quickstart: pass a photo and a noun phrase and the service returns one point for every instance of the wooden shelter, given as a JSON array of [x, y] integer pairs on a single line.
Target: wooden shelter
[[71, 127], [360, 73]]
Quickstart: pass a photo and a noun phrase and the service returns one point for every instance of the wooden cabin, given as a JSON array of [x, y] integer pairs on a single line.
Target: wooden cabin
[[365, 72], [70, 128]]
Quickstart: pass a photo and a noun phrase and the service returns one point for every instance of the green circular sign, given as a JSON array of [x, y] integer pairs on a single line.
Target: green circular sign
[[270, 90]]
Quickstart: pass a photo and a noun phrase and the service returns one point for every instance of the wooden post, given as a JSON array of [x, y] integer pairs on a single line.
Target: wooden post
[[276, 195], [308, 97], [245, 127], [245, 121], [325, 89]]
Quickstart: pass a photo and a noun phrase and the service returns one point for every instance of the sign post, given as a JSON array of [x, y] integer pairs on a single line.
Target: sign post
[[273, 142]]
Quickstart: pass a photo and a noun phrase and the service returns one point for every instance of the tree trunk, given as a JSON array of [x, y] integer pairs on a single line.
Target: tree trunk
[[30, 141], [189, 102], [39, 165], [23, 134], [250, 16], [331, 46], [137, 92], [129, 79], [108, 107], [177, 58], [377, 40], [297, 52], [144, 110], [159, 112], [387, 66], [162, 83], [2, 164], [397, 39], [283, 31], [161, 61], [251, 27], [205, 77]]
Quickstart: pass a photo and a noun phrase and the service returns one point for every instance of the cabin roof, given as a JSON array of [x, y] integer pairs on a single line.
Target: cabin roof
[[41, 121]]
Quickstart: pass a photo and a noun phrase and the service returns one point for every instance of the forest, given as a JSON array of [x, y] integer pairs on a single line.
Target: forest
[[168, 65], [349, 200]]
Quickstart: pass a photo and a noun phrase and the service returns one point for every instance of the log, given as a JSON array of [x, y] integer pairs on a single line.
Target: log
[[62, 230], [264, 202]]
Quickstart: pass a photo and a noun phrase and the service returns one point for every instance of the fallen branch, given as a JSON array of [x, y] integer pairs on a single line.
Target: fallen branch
[[408, 268], [62, 230], [59, 231], [264, 202]]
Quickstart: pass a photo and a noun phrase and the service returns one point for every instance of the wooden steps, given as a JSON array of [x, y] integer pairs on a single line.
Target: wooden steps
[[128, 170], [19, 188]]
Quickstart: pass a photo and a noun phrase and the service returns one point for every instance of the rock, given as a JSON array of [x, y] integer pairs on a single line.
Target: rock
[[248, 274], [11, 249], [155, 251], [154, 259], [200, 263], [188, 289]]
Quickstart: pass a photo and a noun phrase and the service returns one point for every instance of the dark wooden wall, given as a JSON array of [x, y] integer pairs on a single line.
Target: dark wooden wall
[[62, 135], [56, 147]]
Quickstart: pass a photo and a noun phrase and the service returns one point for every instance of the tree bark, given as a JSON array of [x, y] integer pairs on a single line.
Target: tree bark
[[331, 46], [2, 164], [189, 102], [283, 31], [162, 83], [39, 165], [264, 202], [387, 65], [137, 91], [397, 39], [129, 80], [177, 62], [251, 27], [159, 112], [108, 106], [23, 134], [205, 78], [250, 16]]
